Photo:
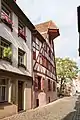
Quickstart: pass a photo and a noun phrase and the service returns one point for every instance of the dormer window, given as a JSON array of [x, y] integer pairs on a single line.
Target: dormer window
[[6, 15], [21, 30]]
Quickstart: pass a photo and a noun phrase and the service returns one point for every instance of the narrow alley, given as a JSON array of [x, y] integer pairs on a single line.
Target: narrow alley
[[67, 108]]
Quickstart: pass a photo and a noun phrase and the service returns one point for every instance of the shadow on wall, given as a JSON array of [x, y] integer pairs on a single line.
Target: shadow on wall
[[75, 115]]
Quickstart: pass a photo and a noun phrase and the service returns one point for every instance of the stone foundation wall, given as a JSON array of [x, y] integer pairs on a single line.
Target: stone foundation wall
[[7, 110]]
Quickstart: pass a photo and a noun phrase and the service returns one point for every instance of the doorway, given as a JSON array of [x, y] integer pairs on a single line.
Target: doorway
[[37, 102], [20, 96], [49, 99]]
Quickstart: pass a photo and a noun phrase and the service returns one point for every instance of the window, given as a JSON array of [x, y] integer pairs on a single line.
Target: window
[[36, 44], [21, 55], [45, 47], [39, 83], [21, 30], [49, 99], [6, 16], [54, 87], [3, 90], [34, 48], [5, 50], [49, 85], [34, 55]]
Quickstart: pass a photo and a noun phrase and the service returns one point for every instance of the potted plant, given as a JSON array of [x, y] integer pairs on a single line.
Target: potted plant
[[7, 53]]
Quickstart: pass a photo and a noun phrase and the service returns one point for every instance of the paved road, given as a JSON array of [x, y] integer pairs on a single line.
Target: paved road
[[64, 109]]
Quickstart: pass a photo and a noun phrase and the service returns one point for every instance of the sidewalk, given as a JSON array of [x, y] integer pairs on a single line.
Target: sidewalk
[[62, 109]]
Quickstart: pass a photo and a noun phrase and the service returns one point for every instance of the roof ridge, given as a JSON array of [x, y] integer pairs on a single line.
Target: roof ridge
[[43, 22]]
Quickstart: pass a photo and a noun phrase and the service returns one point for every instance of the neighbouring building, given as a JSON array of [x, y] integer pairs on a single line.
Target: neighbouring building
[[15, 59], [78, 17], [76, 84], [44, 68]]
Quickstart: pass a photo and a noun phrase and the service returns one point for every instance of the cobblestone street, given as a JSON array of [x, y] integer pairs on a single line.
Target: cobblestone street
[[67, 108]]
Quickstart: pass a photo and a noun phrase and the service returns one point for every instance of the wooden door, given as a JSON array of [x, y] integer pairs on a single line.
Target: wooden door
[[20, 96]]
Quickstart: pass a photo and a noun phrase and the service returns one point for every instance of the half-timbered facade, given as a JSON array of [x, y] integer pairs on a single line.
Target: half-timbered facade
[[44, 68]]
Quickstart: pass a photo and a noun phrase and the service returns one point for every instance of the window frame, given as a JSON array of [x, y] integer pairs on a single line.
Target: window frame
[[22, 31], [22, 63], [8, 44], [5, 99]]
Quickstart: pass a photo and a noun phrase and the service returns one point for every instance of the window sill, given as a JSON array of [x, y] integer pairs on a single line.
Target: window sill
[[6, 59], [22, 36], [21, 65], [7, 23]]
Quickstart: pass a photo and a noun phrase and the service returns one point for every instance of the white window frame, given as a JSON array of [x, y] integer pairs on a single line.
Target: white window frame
[[6, 89], [21, 62]]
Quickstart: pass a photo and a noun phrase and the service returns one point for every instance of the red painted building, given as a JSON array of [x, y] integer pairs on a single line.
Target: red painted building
[[44, 68]]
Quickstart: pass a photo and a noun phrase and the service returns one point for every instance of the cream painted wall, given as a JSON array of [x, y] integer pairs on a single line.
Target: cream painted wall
[[18, 42]]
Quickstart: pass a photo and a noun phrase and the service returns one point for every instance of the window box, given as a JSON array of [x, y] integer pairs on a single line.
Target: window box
[[6, 59], [21, 34], [6, 16]]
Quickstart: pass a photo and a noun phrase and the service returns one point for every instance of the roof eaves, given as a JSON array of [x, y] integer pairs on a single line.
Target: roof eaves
[[16, 9]]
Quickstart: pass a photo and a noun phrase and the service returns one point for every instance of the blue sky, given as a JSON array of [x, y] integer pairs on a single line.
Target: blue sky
[[64, 14]]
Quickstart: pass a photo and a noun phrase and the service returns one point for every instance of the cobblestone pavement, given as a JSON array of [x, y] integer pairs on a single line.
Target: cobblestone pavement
[[67, 108]]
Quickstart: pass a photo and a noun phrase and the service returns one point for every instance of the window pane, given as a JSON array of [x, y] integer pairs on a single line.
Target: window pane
[[37, 47], [21, 57]]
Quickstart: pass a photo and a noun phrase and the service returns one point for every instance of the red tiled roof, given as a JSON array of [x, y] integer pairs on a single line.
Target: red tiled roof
[[43, 27]]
